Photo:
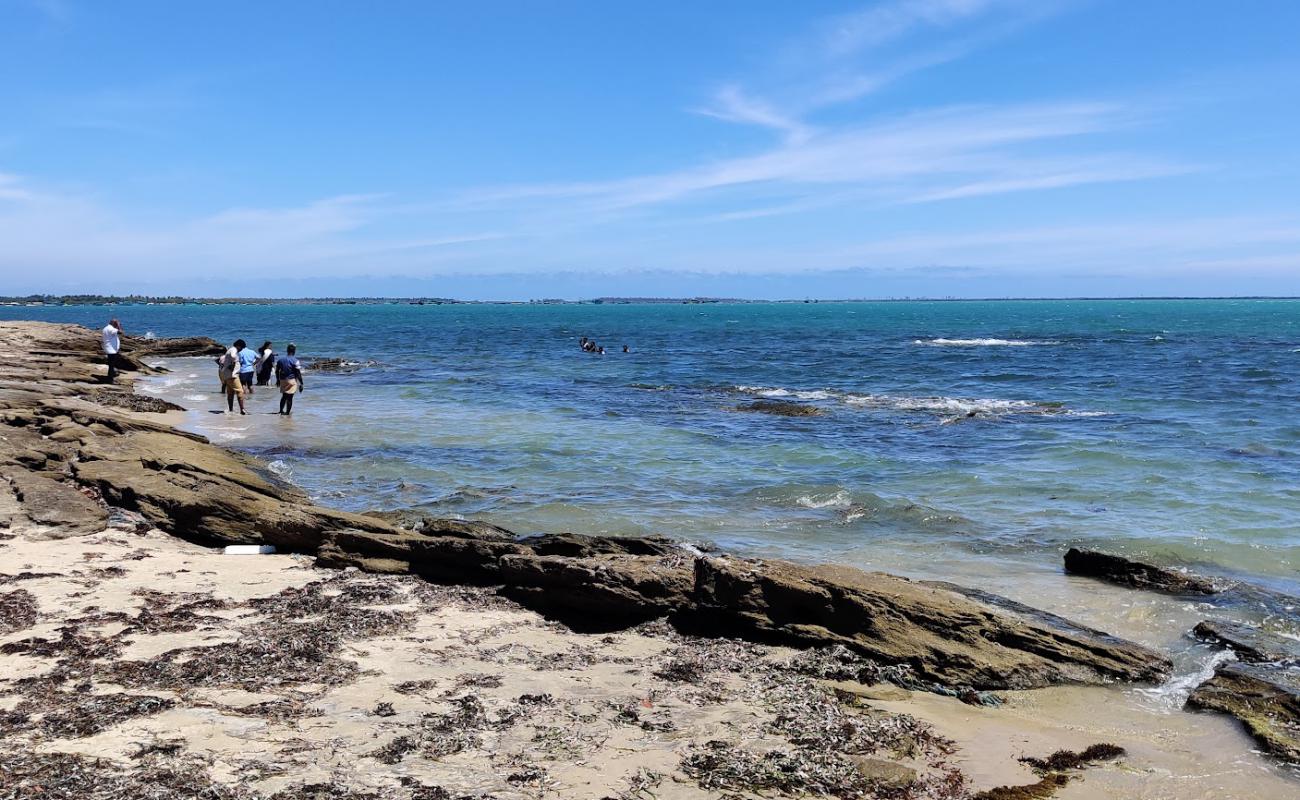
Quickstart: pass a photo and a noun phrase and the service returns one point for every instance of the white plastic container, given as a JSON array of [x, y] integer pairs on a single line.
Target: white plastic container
[[249, 549]]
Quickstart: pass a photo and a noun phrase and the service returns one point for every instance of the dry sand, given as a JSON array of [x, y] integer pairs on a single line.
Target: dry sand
[[458, 689]]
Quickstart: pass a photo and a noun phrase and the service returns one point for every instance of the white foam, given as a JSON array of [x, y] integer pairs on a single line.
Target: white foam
[[195, 398], [952, 408], [840, 499], [1173, 693], [941, 342], [281, 468]]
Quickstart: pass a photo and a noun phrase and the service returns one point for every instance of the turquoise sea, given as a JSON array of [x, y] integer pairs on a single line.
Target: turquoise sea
[[973, 441]]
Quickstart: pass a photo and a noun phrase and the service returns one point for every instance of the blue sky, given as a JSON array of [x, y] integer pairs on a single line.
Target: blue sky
[[519, 150]]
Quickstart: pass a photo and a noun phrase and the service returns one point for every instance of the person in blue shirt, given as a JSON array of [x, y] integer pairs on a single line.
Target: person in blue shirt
[[247, 367], [288, 372]]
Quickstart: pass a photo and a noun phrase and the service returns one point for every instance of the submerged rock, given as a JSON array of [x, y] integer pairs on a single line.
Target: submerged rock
[[781, 408], [1136, 574], [339, 365], [1265, 700], [1250, 644]]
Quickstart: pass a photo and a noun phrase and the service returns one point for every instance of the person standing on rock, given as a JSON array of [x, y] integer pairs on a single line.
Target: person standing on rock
[[288, 371], [112, 342], [228, 369]]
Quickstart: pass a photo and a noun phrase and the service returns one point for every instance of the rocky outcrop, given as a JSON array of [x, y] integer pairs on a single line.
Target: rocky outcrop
[[1265, 700], [178, 347], [1136, 574], [941, 635], [601, 584], [59, 443]]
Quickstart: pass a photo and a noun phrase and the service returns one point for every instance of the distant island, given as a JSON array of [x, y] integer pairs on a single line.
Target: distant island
[[140, 299]]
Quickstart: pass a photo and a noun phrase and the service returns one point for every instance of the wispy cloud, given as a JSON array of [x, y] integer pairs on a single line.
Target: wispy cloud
[[924, 157], [847, 57], [60, 233]]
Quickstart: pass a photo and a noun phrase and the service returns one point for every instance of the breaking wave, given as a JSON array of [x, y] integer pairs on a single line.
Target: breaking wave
[[951, 408], [985, 342]]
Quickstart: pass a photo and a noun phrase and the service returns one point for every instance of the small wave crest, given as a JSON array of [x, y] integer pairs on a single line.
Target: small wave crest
[[281, 468], [951, 409], [1173, 693], [985, 342], [839, 499]]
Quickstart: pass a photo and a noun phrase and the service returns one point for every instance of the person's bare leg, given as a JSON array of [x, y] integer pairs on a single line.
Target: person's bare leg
[[230, 400]]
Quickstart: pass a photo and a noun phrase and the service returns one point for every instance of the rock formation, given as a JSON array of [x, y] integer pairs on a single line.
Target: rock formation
[[79, 456]]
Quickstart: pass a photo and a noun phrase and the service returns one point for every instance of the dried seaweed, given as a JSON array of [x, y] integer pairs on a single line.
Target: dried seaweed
[[73, 715], [1029, 791], [414, 687], [28, 775], [18, 611], [296, 643], [1068, 759], [28, 576], [719, 765]]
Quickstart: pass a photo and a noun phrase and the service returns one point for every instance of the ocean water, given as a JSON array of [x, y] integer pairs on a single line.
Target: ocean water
[[975, 440]]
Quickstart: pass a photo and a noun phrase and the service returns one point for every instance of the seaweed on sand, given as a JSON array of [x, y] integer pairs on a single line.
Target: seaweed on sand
[[1052, 769], [28, 576], [1068, 759], [73, 715], [18, 611], [1029, 791], [174, 613], [718, 765], [29, 775], [296, 642]]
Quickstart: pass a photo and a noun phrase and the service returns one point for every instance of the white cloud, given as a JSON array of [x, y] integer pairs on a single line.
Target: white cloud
[[944, 154], [850, 56]]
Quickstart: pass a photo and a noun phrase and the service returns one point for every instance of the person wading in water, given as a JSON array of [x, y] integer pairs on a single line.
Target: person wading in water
[[288, 371]]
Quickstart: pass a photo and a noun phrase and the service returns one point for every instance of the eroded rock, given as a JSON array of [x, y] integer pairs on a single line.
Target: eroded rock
[[1266, 701], [1250, 644]]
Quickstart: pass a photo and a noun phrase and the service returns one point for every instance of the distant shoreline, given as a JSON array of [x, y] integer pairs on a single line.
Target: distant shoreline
[[29, 301]]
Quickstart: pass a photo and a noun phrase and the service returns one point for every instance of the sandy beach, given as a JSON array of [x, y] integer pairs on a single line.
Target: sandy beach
[[139, 660]]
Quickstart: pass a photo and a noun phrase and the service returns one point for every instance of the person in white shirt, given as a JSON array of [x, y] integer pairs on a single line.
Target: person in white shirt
[[112, 341], [228, 369]]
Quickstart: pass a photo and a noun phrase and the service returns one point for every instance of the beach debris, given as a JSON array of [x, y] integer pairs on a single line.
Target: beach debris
[[384, 710], [248, 549]]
